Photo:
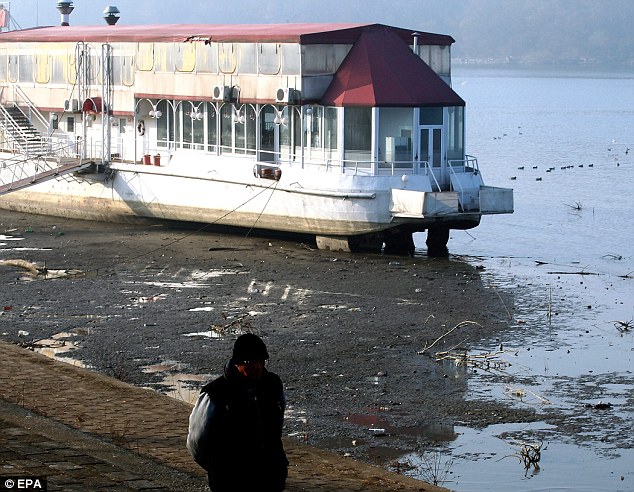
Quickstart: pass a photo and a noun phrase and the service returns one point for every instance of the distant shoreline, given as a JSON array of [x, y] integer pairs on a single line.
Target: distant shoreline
[[563, 70]]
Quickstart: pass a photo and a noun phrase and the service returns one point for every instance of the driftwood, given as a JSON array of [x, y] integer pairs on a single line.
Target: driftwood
[[29, 266], [459, 325]]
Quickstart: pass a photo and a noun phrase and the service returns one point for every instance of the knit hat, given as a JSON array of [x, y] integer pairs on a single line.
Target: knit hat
[[249, 347]]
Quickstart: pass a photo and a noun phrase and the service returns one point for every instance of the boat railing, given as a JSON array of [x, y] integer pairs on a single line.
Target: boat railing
[[461, 166], [467, 165]]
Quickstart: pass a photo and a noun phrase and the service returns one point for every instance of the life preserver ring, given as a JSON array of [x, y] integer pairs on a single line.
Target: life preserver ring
[[140, 128]]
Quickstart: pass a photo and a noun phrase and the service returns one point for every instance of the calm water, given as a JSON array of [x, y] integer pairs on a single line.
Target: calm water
[[573, 219]]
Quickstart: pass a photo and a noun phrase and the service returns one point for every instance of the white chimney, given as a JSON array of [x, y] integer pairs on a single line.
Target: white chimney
[[65, 8]]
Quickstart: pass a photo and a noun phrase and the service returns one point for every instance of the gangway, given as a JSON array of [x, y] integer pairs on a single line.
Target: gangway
[[19, 173]]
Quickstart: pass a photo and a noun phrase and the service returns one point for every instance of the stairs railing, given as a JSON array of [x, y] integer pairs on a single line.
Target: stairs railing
[[22, 100], [21, 133]]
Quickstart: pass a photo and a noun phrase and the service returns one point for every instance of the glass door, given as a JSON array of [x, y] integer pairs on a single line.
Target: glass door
[[431, 153]]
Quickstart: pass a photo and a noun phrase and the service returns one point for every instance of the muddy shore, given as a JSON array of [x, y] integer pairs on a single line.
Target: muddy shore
[[145, 301]]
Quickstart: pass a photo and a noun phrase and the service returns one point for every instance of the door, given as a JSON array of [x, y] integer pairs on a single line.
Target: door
[[268, 135], [431, 154]]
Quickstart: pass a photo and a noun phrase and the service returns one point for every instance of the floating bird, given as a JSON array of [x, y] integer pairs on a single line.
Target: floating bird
[[513, 177], [580, 165], [538, 179], [590, 165], [534, 167], [521, 168]]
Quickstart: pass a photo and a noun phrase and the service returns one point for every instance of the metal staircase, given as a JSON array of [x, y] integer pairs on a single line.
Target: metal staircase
[[20, 133], [31, 158]]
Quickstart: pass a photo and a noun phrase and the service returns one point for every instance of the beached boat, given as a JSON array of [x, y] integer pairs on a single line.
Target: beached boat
[[348, 132]]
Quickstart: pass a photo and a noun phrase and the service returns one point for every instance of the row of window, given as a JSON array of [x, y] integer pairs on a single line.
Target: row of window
[[60, 66], [275, 133]]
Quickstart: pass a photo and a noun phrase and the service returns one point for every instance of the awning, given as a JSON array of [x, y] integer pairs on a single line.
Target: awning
[[382, 70], [92, 105]]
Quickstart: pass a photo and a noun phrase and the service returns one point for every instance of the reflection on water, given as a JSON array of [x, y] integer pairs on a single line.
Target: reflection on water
[[489, 459], [58, 345]]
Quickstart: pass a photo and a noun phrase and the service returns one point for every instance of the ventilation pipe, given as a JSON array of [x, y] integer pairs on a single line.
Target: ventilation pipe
[[415, 35], [111, 15], [65, 8]]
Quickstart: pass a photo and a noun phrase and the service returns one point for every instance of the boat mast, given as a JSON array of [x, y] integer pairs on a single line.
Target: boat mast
[[106, 98]]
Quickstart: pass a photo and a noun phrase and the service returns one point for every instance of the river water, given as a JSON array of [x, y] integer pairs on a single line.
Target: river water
[[565, 143]]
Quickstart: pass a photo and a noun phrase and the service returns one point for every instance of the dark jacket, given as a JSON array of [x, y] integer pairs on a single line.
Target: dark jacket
[[235, 432]]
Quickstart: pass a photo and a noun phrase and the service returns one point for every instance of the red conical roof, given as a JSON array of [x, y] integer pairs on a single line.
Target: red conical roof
[[381, 70]]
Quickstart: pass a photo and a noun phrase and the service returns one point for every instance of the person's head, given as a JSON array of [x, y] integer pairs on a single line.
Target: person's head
[[249, 356]]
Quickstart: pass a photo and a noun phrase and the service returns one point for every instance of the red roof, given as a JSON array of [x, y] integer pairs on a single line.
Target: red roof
[[381, 70], [290, 33]]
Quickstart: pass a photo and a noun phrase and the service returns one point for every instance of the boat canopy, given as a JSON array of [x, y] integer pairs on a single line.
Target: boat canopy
[[381, 70]]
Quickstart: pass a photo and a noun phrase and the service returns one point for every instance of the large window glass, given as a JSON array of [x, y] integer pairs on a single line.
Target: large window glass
[[290, 133], [455, 145], [165, 124], [211, 127], [226, 128], [331, 147], [395, 136], [357, 143], [26, 68], [290, 59]]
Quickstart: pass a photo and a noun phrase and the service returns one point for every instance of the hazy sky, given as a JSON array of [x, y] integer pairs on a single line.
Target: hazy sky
[[408, 13], [532, 31]]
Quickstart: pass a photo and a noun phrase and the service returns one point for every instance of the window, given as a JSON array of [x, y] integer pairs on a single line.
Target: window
[[269, 58], [357, 134], [395, 135], [164, 125], [227, 57], [330, 132], [206, 58], [431, 116], [211, 127], [70, 124], [455, 148]]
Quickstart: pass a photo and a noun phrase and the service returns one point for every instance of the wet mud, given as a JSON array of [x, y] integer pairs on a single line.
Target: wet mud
[[160, 304]]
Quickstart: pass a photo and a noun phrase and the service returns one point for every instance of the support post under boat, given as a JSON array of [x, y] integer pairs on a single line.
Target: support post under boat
[[350, 244], [437, 239]]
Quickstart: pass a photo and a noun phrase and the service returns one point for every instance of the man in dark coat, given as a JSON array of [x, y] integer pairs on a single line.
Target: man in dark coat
[[235, 428]]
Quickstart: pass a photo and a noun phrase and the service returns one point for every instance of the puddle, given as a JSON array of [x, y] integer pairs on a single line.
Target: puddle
[[176, 384], [197, 279], [4, 237], [480, 455], [58, 345], [375, 425], [205, 334], [204, 308]]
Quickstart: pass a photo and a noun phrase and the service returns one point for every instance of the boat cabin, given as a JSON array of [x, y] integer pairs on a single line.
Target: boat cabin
[[351, 98]]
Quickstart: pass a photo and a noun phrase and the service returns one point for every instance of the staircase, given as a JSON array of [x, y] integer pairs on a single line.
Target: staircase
[[21, 133], [31, 158]]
